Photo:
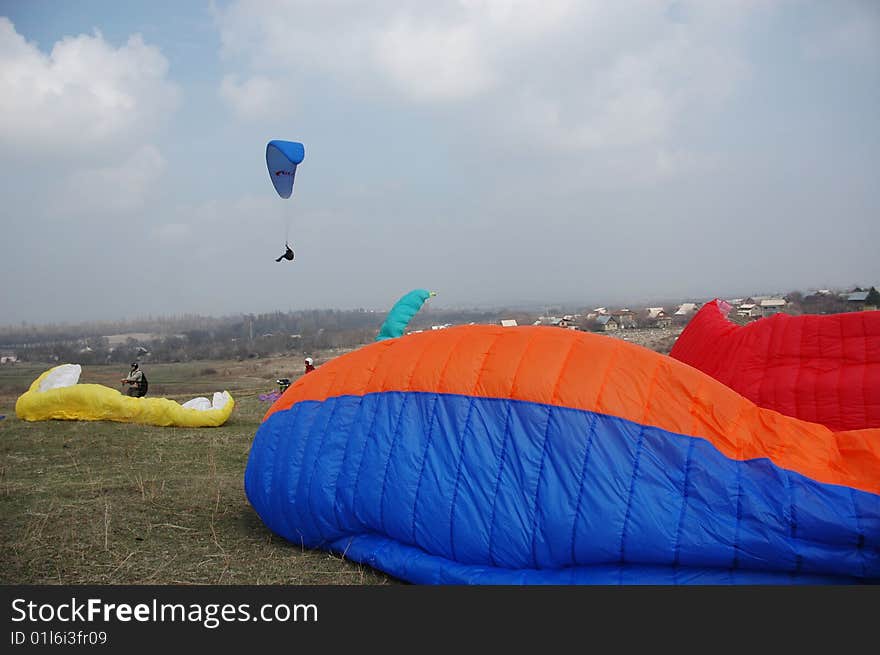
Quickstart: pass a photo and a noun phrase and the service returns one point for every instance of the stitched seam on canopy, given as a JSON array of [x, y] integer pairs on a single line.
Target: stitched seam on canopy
[[357, 476], [380, 352], [326, 430], [498, 482], [763, 399], [462, 440], [275, 499], [318, 458], [482, 365], [636, 460], [336, 486], [355, 413], [308, 488], [431, 424], [284, 459], [860, 545], [635, 470], [792, 518], [797, 392], [538, 488], [269, 476], [464, 431], [867, 408], [736, 545], [629, 496], [687, 471], [615, 354], [734, 424], [271, 484], [522, 359], [591, 432], [652, 385], [394, 439], [676, 546], [430, 433], [838, 415], [553, 395], [507, 431], [565, 360], [396, 436]]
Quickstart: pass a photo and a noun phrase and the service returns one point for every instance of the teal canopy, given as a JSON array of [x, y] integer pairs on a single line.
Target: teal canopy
[[402, 312]]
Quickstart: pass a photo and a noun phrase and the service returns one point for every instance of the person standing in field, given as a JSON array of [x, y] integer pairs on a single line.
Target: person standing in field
[[136, 381]]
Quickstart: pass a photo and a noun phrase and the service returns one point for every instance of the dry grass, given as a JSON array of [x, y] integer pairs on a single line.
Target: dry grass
[[114, 503]]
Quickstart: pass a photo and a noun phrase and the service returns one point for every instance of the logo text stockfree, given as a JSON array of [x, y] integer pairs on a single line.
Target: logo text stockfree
[[210, 615]]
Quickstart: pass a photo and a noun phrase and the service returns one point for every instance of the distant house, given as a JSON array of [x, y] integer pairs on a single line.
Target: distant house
[[770, 306], [8, 358], [655, 312], [869, 299], [624, 317], [607, 323], [748, 310], [508, 322], [686, 309]]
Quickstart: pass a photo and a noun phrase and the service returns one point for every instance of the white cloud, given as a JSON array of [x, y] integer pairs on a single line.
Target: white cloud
[[256, 98], [446, 52], [408, 56], [636, 98], [84, 95], [121, 188], [565, 75]]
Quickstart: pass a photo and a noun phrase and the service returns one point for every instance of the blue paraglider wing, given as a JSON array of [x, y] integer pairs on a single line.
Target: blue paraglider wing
[[282, 158]]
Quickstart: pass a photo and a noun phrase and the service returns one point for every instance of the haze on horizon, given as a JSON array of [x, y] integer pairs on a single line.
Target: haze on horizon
[[498, 152]]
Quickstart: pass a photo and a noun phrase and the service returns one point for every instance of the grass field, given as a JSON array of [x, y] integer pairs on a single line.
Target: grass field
[[116, 503]]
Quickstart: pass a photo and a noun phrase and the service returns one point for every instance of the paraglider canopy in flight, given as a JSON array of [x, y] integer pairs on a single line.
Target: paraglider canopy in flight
[[402, 312], [282, 158]]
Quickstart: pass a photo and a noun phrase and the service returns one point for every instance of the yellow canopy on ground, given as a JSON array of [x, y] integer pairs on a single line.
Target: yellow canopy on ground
[[56, 394]]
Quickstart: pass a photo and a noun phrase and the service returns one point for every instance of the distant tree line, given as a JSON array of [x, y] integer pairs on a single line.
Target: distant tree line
[[191, 338]]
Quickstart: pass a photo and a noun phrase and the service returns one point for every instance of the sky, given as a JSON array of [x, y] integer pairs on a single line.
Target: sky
[[498, 152]]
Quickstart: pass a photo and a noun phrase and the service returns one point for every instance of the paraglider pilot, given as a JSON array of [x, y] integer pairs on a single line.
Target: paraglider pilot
[[310, 366], [135, 380], [288, 254]]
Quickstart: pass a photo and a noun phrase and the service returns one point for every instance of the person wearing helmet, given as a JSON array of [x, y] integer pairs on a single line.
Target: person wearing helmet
[[136, 381], [310, 366]]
